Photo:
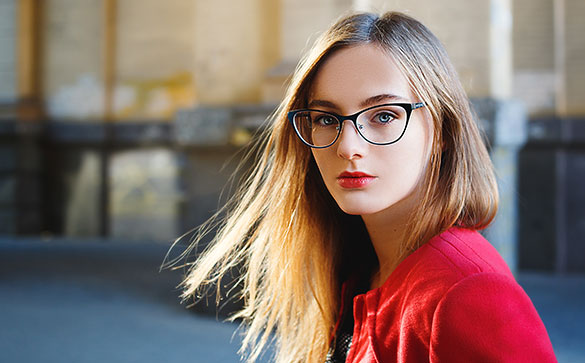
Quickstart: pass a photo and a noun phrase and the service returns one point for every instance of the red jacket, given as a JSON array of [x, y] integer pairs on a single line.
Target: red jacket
[[452, 300]]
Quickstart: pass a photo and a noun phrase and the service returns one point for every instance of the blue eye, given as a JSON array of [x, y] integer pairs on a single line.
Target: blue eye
[[325, 120], [383, 117]]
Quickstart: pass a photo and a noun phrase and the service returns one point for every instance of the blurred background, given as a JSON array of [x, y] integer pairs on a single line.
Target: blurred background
[[121, 122]]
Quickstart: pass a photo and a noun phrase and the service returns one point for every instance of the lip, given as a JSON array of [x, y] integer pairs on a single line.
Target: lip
[[354, 180]]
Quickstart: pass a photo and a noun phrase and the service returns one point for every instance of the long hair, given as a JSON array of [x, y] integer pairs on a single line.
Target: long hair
[[285, 233]]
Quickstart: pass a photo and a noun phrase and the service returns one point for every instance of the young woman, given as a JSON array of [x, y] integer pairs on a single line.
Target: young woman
[[356, 231]]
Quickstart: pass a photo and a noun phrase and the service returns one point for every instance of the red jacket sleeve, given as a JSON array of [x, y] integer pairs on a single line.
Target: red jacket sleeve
[[487, 317]]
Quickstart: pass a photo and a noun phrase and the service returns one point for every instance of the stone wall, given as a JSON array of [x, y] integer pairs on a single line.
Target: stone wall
[[549, 56], [167, 60], [303, 20], [72, 63], [575, 57], [229, 66], [154, 58], [182, 65], [535, 74], [7, 51], [464, 29], [533, 34]]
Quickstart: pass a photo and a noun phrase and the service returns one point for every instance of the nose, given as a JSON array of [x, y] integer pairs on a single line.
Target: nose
[[350, 144]]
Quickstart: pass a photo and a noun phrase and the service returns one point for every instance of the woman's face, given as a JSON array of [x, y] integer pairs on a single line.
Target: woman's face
[[350, 80]]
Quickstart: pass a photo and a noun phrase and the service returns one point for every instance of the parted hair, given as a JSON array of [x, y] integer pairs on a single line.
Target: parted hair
[[292, 244]]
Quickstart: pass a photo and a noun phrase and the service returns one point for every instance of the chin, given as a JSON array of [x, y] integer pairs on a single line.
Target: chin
[[359, 209]]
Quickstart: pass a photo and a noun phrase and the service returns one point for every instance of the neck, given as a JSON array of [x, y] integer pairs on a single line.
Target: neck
[[387, 230]]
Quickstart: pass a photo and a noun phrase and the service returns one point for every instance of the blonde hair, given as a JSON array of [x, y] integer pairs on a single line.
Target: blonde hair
[[286, 234]]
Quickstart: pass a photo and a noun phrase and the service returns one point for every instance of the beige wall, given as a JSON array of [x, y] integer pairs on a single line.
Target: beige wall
[[464, 29], [575, 57], [304, 20], [533, 34], [549, 56], [154, 58], [271, 13], [535, 77], [72, 63], [230, 44], [177, 53], [7, 50]]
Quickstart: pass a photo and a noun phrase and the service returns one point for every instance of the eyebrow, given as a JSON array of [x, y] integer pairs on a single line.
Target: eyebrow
[[370, 101]]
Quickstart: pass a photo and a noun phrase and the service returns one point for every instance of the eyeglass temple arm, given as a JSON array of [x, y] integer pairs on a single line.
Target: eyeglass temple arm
[[418, 105]]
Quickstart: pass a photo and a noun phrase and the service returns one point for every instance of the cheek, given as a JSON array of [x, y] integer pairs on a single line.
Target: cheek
[[399, 174], [322, 160], [404, 168], [326, 162]]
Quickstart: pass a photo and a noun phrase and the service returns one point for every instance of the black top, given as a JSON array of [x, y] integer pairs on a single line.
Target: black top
[[344, 334], [338, 351]]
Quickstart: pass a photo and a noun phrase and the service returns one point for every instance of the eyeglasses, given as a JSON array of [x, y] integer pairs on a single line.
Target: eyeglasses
[[378, 125]]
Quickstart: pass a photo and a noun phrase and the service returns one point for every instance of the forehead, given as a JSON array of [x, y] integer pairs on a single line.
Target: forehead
[[350, 75]]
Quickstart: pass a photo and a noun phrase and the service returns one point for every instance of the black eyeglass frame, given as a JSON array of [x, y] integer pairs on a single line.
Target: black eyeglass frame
[[408, 107]]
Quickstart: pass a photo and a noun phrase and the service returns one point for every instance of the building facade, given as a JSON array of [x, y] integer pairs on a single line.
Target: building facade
[[116, 116]]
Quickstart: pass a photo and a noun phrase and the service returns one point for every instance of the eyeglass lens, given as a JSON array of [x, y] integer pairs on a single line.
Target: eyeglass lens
[[384, 124]]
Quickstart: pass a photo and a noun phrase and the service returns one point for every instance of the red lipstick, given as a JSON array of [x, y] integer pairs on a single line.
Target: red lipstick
[[354, 180]]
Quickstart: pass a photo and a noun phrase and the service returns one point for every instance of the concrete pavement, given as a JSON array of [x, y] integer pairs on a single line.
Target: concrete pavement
[[105, 301]]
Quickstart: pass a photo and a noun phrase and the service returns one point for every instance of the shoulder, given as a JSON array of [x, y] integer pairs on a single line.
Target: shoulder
[[478, 308], [458, 292], [459, 302], [444, 261], [488, 315], [465, 252]]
